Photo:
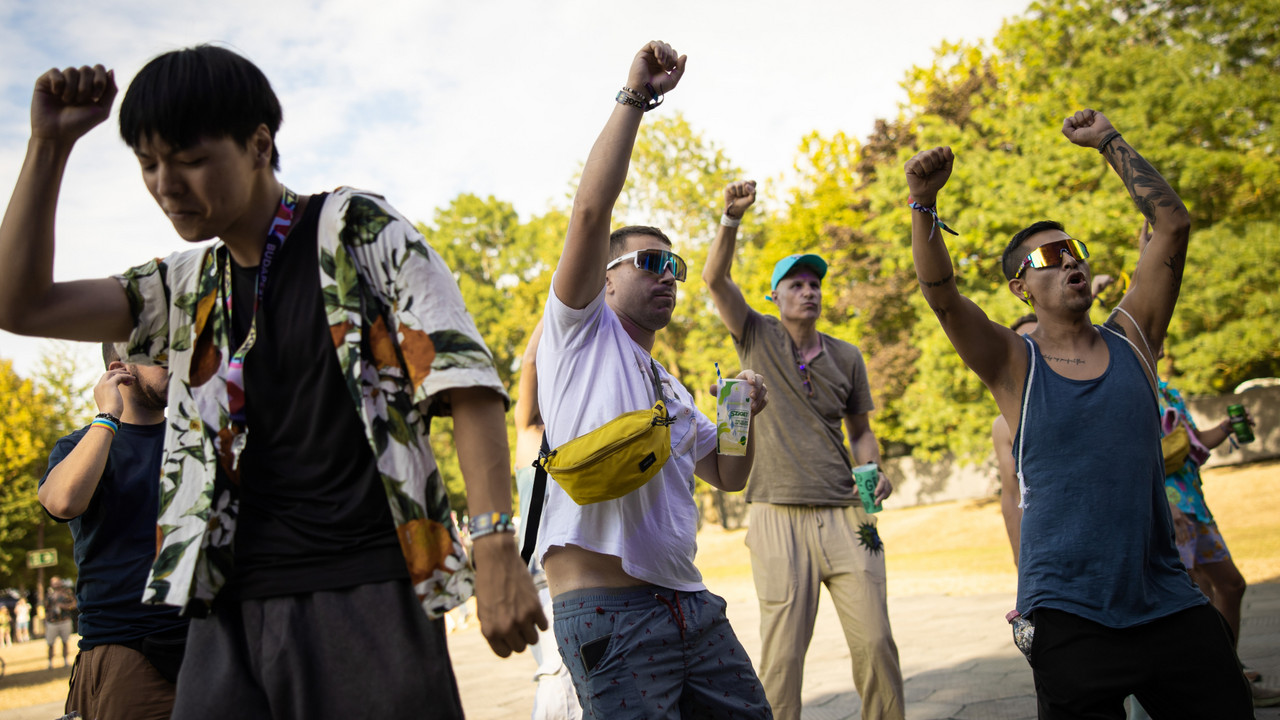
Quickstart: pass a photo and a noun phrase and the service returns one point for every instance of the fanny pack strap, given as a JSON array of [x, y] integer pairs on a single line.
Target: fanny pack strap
[[535, 504], [657, 385]]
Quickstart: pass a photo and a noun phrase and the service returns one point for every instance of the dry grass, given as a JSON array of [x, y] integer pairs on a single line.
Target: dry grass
[[960, 547], [26, 682], [954, 548]]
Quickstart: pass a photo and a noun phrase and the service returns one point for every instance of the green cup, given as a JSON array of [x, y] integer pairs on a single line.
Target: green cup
[[866, 477]]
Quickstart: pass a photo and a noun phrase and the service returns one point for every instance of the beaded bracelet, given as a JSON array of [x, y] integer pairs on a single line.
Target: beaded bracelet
[[931, 210]]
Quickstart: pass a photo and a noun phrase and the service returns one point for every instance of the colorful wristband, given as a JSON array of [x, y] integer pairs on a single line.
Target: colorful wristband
[[489, 523], [105, 423], [624, 99], [931, 210]]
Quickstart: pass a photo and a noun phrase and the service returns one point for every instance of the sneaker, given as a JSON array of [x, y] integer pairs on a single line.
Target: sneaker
[[1264, 697]]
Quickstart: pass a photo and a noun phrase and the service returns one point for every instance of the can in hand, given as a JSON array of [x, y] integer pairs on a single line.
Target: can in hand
[[1239, 424], [866, 477]]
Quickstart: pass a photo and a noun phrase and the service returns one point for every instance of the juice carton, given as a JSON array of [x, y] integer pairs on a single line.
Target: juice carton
[[733, 417]]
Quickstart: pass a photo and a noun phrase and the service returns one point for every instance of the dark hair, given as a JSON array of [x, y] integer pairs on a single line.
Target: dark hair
[[199, 92], [109, 354], [1011, 258], [618, 238], [1028, 318]]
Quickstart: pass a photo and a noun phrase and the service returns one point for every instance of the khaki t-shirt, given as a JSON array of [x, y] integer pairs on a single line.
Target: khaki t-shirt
[[801, 456]]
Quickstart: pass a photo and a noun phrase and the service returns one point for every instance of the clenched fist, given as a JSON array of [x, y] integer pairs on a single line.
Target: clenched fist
[[1087, 128], [927, 172], [656, 65], [738, 197], [68, 103]]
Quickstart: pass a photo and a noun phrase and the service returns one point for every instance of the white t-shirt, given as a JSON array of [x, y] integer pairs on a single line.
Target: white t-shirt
[[589, 372]]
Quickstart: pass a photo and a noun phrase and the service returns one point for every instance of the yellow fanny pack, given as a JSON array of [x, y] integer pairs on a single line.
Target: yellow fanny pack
[[1175, 447], [615, 458]]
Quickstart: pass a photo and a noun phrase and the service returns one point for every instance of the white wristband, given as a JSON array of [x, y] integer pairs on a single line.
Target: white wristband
[[727, 221]]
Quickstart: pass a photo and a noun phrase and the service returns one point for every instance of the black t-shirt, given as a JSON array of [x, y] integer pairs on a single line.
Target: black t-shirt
[[313, 511]]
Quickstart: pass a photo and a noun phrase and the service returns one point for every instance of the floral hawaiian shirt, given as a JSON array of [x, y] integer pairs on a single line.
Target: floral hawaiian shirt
[[402, 336], [1183, 487]]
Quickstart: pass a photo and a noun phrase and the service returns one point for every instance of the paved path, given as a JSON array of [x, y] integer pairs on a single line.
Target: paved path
[[957, 657]]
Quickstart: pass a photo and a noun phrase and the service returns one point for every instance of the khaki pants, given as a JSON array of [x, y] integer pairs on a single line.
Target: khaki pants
[[113, 682], [794, 550]]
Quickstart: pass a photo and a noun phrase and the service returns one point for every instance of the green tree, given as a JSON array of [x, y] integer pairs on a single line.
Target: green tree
[[1193, 86], [36, 413], [503, 268]]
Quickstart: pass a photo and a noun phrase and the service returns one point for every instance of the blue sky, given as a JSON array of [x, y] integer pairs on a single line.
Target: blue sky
[[424, 100]]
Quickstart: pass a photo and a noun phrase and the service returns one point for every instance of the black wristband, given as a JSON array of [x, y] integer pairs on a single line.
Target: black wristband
[[1102, 146]]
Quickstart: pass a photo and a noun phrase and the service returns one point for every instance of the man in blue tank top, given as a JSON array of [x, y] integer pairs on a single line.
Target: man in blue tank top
[[1098, 572]]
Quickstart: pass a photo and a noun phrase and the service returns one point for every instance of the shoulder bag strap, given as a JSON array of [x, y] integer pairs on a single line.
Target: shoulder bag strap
[[535, 504]]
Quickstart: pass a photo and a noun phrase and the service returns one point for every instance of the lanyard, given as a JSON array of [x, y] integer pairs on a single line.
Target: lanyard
[[276, 234]]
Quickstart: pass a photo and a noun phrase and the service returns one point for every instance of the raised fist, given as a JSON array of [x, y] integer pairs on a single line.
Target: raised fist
[[657, 65], [927, 172], [68, 103], [738, 197], [1087, 128]]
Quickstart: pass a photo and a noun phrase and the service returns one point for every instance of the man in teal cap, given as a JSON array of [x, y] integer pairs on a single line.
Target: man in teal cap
[[807, 524]]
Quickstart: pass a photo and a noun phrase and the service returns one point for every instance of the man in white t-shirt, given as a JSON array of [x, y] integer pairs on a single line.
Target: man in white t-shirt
[[636, 627]]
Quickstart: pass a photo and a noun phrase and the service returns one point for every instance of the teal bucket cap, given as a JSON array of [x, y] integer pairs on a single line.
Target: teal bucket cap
[[788, 263]]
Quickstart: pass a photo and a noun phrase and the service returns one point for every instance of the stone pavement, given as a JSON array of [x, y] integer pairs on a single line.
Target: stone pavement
[[958, 659]]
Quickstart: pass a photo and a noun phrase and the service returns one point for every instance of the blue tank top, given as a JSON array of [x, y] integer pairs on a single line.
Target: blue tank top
[[1097, 535]]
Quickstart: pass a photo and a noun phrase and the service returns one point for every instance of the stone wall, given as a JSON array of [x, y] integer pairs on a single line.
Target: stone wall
[[920, 483], [924, 483]]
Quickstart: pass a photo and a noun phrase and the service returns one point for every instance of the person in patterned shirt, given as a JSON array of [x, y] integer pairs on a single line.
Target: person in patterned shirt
[[303, 521]]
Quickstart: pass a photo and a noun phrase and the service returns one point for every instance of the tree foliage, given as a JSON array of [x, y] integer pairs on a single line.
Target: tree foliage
[[1192, 85], [34, 414]]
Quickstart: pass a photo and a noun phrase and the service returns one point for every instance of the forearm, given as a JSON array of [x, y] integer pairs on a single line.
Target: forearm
[[480, 433], [718, 268], [1012, 522], [580, 274], [866, 448], [26, 233], [605, 171], [1151, 193], [506, 601], [734, 470], [70, 485], [934, 270], [1216, 435]]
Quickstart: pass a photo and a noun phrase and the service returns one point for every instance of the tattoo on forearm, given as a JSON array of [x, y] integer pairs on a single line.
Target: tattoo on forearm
[[938, 283], [1145, 185], [1176, 263], [1067, 361]]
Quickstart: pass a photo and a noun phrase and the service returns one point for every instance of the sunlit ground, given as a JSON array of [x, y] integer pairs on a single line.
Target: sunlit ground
[[960, 548], [954, 548]]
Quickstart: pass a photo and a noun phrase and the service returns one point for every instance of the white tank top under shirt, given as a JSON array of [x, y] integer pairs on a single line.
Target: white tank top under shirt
[[589, 372]]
